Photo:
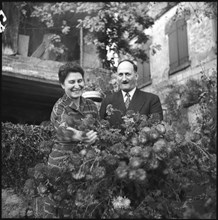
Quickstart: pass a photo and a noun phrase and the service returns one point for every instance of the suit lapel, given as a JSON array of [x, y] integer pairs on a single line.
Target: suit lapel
[[137, 101], [118, 102]]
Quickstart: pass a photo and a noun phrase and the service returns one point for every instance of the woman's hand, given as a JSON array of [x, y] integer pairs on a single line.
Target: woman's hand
[[90, 137], [78, 135]]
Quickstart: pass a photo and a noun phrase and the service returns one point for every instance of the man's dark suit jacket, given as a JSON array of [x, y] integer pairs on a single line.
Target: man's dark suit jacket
[[143, 102]]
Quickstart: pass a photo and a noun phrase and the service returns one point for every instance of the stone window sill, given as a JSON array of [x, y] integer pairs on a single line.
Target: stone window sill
[[179, 68], [145, 84]]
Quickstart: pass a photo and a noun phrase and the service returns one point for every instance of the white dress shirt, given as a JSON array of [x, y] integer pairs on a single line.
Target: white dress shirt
[[131, 93]]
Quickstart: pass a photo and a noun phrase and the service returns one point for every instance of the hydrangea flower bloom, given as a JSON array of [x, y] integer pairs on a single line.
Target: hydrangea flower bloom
[[121, 203]]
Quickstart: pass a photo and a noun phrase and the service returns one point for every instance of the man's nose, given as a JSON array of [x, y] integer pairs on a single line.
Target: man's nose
[[124, 77]]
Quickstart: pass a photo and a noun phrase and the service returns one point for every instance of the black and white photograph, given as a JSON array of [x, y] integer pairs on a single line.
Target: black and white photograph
[[109, 110]]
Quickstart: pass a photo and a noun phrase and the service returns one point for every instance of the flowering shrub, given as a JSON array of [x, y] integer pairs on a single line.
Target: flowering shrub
[[101, 82], [208, 109], [198, 146], [203, 93], [22, 148], [144, 169]]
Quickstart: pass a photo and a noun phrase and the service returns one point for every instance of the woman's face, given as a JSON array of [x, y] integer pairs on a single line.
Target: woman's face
[[73, 85]]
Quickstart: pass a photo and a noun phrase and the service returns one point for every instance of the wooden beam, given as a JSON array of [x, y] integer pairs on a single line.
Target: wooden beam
[[23, 86], [81, 47]]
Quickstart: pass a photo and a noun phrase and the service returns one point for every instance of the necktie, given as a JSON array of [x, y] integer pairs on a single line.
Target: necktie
[[127, 100]]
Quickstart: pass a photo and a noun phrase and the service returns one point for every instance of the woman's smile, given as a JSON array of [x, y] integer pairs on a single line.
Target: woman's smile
[[73, 85]]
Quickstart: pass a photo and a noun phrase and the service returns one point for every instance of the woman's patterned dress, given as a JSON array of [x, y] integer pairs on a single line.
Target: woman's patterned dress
[[65, 144]]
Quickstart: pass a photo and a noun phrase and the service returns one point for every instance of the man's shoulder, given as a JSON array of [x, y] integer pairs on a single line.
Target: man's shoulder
[[112, 95], [146, 94]]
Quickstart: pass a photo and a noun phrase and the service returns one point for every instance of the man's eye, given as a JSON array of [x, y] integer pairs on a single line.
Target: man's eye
[[80, 80], [120, 74]]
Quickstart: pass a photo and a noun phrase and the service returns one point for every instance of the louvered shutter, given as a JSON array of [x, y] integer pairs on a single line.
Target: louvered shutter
[[178, 45], [182, 42], [140, 73], [144, 71], [173, 47]]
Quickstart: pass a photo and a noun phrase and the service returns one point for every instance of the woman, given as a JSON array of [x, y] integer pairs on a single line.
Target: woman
[[72, 104]]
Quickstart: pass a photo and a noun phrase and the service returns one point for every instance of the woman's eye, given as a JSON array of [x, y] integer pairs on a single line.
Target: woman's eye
[[80, 80]]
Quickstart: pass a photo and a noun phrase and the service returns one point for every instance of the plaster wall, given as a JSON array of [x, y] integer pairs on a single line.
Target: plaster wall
[[30, 88], [90, 57], [201, 47]]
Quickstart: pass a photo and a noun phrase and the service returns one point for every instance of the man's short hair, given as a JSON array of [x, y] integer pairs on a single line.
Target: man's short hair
[[65, 69], [130, 61]]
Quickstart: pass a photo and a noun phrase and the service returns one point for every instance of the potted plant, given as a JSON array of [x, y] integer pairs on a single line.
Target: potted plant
[[100, 83]]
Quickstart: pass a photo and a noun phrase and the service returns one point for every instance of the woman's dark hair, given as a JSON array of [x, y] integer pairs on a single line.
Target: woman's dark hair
[[67, 68], [130, 61]]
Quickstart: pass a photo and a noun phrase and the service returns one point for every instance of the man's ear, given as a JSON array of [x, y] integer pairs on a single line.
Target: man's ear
[[136, 76]]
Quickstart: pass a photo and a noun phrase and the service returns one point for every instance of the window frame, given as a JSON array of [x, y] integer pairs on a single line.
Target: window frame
[[144, 76], [175, 27]]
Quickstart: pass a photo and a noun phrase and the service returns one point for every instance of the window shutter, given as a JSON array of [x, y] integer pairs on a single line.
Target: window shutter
[[146, 71], [178, 45], [182, 41], [140, 73], [144, 75], [173, 49]]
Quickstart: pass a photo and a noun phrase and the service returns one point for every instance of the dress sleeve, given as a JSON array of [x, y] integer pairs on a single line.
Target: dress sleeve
[[57, 115], [58, 119]]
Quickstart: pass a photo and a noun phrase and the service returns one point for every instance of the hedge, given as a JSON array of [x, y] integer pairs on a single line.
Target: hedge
[[23, 146]]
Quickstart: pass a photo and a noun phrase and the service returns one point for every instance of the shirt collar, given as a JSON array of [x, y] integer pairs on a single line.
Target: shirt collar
[[131, 93], [69, 102]]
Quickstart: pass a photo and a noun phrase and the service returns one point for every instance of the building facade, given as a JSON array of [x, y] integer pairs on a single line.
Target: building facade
[[29, 82], [187, 45], [182, 44]]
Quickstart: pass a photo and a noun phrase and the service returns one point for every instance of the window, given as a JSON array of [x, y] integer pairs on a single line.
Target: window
[[178, 46], [144, 74]]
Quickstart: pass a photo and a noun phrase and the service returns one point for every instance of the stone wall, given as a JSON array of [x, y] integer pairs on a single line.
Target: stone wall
[[202, 53], [31, 68], [30, 88], [201, 46], [40, 70], [90, 57]]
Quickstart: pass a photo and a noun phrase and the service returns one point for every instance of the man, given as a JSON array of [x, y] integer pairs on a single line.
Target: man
[[143, 102]]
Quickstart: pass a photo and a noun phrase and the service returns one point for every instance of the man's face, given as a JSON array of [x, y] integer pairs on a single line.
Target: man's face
[[73, 85], [126, 76]]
